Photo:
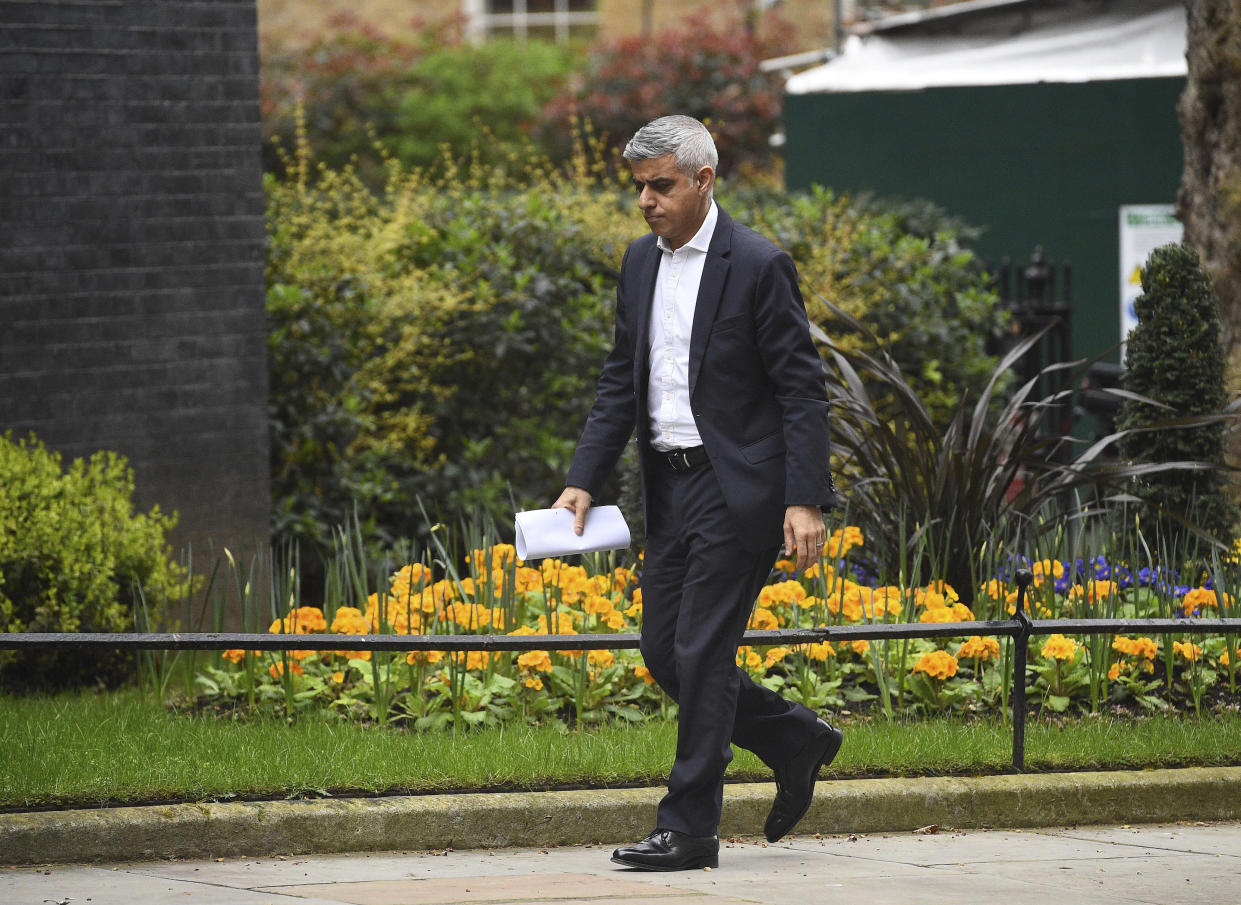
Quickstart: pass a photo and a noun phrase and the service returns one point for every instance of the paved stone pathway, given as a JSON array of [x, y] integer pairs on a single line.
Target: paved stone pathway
[[1164, 864]]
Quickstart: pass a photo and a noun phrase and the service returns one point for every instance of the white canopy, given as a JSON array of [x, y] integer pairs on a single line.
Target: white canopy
[[1098, 47]]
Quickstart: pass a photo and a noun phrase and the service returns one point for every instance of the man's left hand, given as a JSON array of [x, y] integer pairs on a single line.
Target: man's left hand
[[804, 531]]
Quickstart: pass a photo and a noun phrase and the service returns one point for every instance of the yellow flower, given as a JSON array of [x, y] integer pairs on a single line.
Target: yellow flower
[[937, 593], [785, 565], [526, 579], [234, 656], [1059, 647], [1187, 649], [874, 603], [821, 651], [979, 648], [1114, 671], [860, 647], [1094, 591], [473, 659], [338, 677], [842, 541], [938, 664], [936, 614], [534, 682], [596, 603], [774, 656], [601, 658], [1045, 569], [748, 657], [353, 654], [763, 618], [563, 625], [615, 620], [277, 669]]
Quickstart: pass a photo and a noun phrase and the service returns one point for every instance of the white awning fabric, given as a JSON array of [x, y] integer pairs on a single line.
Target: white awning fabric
[[1078, 49]]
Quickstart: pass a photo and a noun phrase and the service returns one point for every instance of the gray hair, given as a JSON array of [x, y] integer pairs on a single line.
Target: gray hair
[[682, 136]]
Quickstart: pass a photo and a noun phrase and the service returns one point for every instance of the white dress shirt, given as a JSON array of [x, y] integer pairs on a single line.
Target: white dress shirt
[[672, 318]]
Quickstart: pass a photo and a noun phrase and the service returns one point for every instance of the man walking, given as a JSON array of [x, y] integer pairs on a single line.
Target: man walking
[[714, 366]]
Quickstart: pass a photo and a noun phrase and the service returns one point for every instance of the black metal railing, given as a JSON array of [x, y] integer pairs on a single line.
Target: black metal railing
[[1020, 628]]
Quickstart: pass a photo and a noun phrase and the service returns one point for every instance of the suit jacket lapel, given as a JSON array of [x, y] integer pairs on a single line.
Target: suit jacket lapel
[[710, 289], [646, 269]]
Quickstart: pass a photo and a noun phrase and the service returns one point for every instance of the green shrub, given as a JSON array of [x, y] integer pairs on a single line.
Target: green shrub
[[432, 342], [1174, 358], [417, 100], [920, 292], [72, 550]]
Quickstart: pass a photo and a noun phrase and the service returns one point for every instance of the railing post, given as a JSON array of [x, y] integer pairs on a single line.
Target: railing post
[[1024, 578]]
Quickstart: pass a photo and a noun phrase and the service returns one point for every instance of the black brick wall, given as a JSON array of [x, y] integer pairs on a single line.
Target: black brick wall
[[131, 248]]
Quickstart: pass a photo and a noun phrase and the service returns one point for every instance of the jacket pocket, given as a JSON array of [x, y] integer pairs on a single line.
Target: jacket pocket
[[766, 448]]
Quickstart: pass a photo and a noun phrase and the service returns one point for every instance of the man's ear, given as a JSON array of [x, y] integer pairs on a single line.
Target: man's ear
[[704, 180]]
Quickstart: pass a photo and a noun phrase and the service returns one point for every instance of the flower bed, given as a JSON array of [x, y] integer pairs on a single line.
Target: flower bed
[[499, 594]]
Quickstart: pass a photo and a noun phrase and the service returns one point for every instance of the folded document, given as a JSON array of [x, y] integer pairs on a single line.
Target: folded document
[[549, 532]]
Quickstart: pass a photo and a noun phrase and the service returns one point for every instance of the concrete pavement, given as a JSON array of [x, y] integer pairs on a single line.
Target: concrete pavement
[[1165, 864]]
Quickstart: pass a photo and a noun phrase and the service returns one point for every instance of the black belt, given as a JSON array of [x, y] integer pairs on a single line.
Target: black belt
[[681, 460]]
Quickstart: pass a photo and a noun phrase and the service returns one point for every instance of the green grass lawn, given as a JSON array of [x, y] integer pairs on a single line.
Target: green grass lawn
[[123, 748]]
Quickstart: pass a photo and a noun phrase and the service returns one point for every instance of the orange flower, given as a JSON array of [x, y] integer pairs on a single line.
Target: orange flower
[[644, 674], [938, 664], [1136, 647], [1200, 599], [234, 656], [277, 669], [535, 661], [350, 621], [424, 656]]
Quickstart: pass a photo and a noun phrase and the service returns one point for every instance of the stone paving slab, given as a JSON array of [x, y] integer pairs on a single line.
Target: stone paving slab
[[1169, 864]]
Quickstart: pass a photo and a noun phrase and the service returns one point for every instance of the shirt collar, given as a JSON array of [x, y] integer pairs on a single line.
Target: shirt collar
[[702, 238]]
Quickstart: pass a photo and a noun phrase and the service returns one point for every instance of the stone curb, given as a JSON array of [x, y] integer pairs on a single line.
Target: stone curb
[[536, 819]]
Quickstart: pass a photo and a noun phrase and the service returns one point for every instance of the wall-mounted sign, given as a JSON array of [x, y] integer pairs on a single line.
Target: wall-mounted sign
[[1143, 228]]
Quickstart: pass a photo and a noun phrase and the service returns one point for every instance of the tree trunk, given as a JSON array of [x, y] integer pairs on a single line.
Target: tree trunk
[[1209, 202]]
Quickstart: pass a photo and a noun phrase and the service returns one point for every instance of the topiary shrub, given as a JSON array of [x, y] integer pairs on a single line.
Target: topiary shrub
[[1173, 357], [72, 550]]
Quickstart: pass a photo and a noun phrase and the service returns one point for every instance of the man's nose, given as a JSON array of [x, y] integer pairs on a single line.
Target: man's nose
[[646, 199]]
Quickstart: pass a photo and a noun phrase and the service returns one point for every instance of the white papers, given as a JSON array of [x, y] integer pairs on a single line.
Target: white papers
[[549, 532]]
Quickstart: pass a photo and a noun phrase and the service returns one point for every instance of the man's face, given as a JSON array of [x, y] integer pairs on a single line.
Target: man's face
[[673, 203]]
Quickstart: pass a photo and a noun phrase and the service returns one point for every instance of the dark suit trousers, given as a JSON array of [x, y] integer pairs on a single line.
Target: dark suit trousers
[[698, 590]]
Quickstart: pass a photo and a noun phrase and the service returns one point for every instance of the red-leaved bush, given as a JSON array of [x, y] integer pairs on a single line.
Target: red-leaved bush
[[699, 69]]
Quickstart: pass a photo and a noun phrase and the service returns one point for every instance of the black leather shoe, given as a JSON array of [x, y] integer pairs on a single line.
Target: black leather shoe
[[670, 850], [795, 781]]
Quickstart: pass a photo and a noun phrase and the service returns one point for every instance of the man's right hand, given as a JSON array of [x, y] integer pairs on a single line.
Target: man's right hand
[[577, 501]]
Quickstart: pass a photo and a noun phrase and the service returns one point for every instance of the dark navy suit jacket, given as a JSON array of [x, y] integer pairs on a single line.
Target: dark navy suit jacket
[[757, 390]]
